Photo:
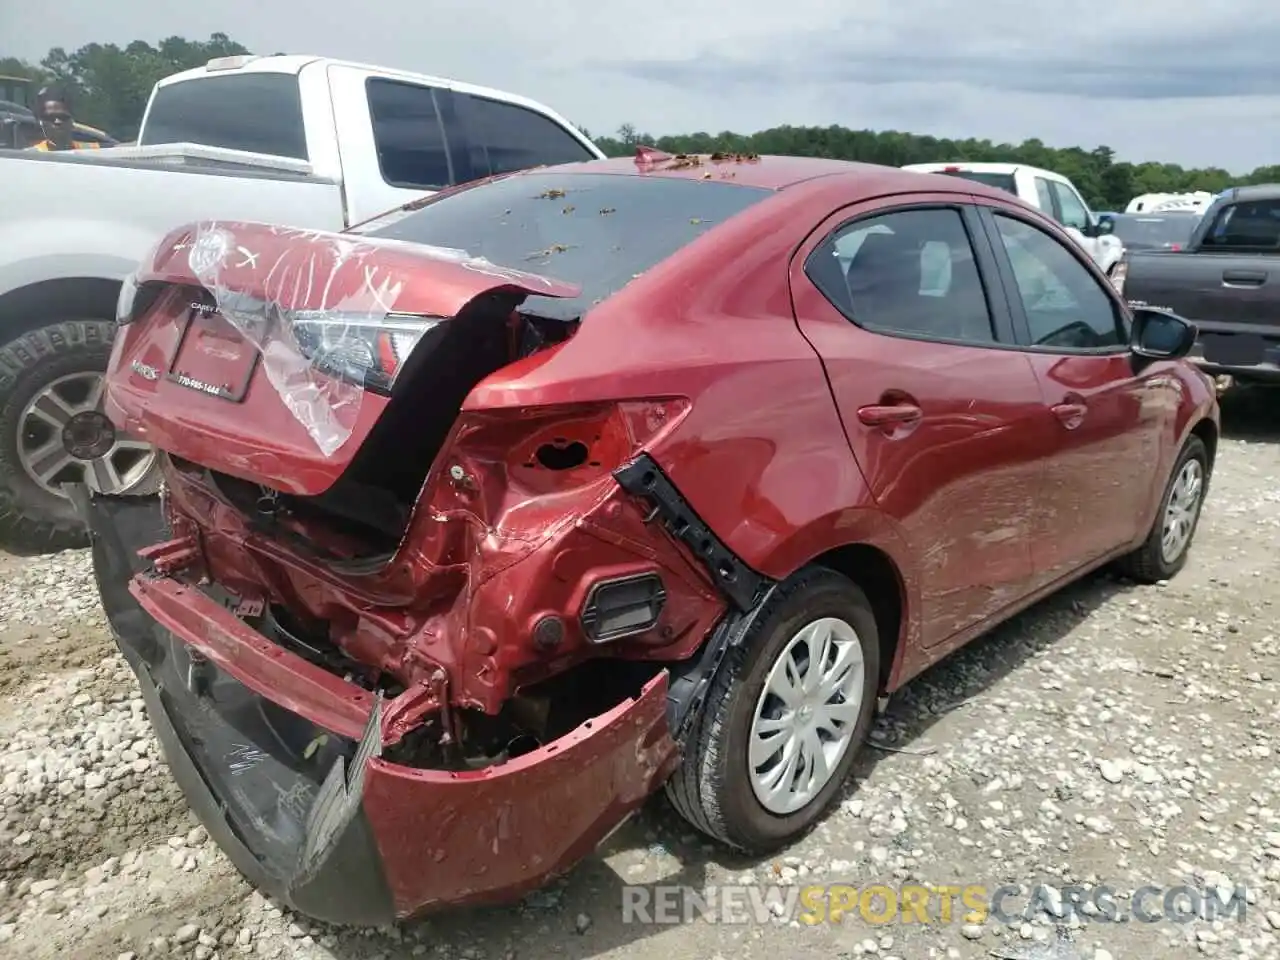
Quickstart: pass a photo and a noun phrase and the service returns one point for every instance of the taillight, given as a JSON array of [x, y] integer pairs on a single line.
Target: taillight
[[1175, 246], [367, 350], [522, 461], [1118, 274]]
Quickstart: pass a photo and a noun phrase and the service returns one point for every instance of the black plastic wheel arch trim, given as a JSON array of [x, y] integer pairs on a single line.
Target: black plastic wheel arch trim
[[690, 681], [643, 478]]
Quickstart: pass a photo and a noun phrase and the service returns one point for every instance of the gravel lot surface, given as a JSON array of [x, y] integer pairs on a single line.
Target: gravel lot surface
[[1115, 735]]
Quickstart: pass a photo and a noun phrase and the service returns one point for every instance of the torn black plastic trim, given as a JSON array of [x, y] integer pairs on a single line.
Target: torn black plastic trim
[[643, 478], [690, 681]]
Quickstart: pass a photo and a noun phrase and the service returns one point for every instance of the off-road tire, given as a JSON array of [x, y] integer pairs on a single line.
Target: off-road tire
[[1147, 564], [33, 521], [711, 788]]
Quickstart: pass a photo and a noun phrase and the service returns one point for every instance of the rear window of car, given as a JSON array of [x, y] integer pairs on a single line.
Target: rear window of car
[[596, 230], [257, 112], [1001, 181], [1154, 231]]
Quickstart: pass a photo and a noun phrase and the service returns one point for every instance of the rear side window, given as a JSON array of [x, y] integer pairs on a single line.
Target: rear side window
[[408, 135], [596, 230], [1253, 225], [505, 138], [909, 272], [257, 112]]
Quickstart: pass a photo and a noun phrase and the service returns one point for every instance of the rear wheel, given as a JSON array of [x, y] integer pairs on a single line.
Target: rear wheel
[[785, 717], [53, 431], [1165, 550]]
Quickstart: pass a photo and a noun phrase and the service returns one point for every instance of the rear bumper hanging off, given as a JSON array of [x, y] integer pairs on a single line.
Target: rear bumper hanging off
[[221, 744], [295, 790]]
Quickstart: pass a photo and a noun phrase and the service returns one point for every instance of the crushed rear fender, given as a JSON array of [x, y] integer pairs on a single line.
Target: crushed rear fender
[[317, 817]]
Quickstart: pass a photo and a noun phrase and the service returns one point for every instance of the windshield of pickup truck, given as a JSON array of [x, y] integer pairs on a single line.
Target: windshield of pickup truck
[[1001, 181], [1251, 225], [1169, 231], [256, 112], [596, 230]]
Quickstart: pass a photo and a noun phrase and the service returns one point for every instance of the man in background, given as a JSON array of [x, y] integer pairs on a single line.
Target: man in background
[[53, 110]]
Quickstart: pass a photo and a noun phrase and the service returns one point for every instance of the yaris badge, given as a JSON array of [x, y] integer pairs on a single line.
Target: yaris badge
[[145, 370]]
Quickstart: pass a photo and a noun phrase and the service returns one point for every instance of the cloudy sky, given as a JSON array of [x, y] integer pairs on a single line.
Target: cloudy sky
[[1192, 83]]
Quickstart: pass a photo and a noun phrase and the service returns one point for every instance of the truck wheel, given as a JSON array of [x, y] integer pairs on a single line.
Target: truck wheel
[[785, 717], [53, 431]]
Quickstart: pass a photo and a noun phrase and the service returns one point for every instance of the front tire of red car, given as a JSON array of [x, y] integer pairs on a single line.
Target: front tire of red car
[[1165, 550], [785, 718]]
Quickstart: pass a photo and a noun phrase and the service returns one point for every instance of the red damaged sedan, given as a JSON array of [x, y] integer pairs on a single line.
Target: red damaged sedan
[[486, 519]]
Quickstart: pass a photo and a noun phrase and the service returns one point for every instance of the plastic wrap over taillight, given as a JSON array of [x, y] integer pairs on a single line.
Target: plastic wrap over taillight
[[365, 350]]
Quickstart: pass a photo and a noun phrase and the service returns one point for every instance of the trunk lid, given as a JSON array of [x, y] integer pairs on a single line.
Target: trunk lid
[[270, 353]]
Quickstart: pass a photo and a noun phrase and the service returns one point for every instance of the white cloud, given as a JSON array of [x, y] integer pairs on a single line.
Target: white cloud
[[1187, 83]]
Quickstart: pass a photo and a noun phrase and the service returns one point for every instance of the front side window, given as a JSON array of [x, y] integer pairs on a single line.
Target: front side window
[[1074, 212], [1066, 308], [505, 137], [910, 272], [408, 135]]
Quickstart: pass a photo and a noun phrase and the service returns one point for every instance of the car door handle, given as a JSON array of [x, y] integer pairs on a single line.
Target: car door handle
[[1244, 278], [1071, 414], [879, 415]]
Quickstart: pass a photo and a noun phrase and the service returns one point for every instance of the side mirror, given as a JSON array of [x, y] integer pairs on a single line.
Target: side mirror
[[1106, 226], [1161, 335]]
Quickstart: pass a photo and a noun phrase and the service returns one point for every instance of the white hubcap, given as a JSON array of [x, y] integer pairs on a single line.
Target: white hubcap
[[1181, 512], [806, 715]]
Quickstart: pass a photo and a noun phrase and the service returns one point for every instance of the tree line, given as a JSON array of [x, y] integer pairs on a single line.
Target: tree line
[[110, 85], [1106, 183]]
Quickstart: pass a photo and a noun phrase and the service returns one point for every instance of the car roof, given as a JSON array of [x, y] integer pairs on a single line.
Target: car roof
[[766, 172], [986, 167]]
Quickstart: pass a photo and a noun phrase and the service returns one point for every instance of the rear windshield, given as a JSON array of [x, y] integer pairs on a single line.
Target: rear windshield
[[1002, 181], [257, 112], [1155, 231], [596, 230]]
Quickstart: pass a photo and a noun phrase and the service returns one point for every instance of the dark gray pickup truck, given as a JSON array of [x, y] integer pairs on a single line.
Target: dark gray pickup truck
[[1226, 280]]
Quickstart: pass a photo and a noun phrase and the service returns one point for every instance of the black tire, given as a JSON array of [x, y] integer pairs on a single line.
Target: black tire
[[711, 788], [1147, 564], [32, 520]]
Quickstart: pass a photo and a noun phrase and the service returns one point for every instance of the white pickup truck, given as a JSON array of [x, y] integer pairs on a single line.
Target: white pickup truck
[[292, 140], [1051, 193]]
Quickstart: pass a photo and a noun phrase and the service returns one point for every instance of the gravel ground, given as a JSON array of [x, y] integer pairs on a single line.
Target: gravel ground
[[1114, 735]]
